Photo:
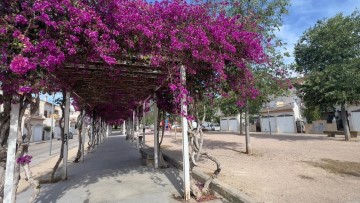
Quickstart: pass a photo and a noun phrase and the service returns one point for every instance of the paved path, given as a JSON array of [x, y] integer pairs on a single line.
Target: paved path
[[112, 173]]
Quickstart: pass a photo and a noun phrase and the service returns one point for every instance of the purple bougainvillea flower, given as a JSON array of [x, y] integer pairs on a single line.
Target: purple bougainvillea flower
[[21, 65], [172, 87], [25, 89], [24, 160]]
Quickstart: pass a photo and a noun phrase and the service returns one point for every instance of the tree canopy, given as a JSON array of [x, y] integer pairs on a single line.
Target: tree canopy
[[328, 54], [38, 38], [269, 78]]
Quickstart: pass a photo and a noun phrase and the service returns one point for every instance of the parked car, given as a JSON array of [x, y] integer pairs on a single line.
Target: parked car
[[216, 127], [207, 127]]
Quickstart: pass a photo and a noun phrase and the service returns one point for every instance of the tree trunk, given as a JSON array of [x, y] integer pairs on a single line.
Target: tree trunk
[[214, 175], [163, 128], [247, 131], [32, 181], [79, 125], [62, 131], [241, 125], [22, 145], [4, 134], [345, 123]]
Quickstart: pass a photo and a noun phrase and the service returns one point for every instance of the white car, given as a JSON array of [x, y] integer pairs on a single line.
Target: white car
[[216, 127]]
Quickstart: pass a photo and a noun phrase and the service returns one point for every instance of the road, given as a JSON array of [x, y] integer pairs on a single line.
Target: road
[[40, 150]]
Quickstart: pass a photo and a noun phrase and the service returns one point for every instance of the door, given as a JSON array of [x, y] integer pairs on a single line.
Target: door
[[355, 119], [285, 123], [37, 133], [224, 125], [233, 125], [265, 127]]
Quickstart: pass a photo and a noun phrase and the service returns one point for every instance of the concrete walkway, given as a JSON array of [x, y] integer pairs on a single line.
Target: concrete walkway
[[112, 173]]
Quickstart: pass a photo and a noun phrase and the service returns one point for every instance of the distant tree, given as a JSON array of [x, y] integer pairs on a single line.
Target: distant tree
[[268, 77], [329, 54], [312, 113]]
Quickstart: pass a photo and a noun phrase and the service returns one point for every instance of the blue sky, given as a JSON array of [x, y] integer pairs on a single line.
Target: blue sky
[[305, 13]]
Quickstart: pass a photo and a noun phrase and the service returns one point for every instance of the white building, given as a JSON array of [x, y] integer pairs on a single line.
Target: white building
[[230, 123], [41, 121], [282, 114], [353, 112]]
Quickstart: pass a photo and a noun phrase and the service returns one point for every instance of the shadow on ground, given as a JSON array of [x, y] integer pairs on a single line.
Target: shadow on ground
[[114, 168]]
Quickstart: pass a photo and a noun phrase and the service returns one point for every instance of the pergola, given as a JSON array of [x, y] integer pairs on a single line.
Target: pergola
[[124, 87]]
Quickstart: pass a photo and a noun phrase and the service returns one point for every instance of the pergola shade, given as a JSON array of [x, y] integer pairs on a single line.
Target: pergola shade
[[120, 87]]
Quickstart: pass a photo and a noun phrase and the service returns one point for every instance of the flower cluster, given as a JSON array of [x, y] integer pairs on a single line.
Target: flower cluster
[[38, 37], [24, 160]]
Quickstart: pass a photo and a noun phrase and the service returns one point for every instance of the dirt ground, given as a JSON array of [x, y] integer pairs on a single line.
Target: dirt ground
[[282, 168]]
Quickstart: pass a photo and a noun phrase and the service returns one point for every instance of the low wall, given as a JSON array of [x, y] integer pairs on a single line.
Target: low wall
[[319, 127]]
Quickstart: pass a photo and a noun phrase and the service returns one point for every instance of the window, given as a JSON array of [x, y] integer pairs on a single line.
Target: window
[[45, 114]]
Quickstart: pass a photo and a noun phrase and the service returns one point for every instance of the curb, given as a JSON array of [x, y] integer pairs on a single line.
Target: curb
[[228, 192]]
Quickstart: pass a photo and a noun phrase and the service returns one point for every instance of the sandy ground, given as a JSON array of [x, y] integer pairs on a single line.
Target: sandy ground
[[282, 168], [43, 169]]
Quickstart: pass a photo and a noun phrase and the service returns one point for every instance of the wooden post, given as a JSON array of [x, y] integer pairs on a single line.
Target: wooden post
[[107, 130], [83, 133], [10, 157], [123, 128], [99, 130], [137, 127], [52, 124], [66, 123], [92, 135], [133, 127], [175, 129], [185, 142], [156, 142], [143, 122]]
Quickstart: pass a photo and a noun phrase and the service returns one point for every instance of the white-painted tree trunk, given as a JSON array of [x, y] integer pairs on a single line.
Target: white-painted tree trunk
[[185, 141], [9, 193]]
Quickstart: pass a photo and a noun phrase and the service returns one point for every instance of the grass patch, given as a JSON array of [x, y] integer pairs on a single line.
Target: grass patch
[[337, 167]]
